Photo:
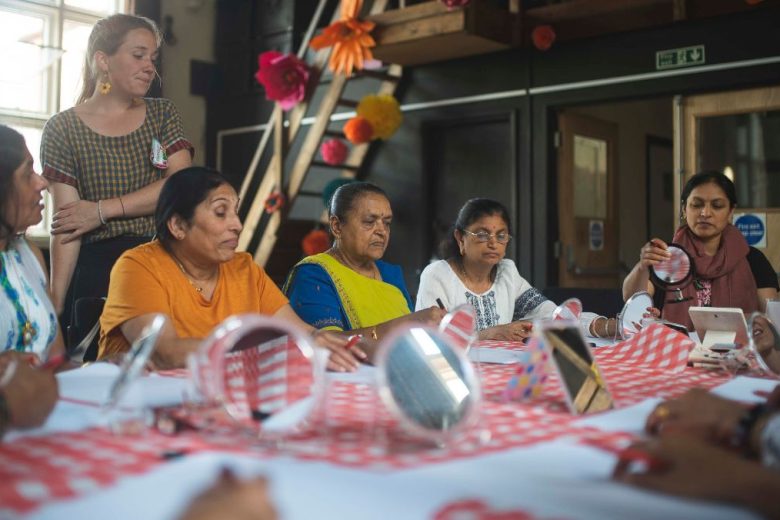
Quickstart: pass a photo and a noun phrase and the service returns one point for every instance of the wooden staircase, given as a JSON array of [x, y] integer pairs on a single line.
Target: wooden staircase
[[265, 234]]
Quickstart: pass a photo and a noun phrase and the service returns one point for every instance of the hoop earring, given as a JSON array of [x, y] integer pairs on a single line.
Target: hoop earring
[[104, 86]]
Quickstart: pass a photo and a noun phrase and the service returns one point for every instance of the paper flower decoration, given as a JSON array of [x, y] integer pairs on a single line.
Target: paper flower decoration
[[331, 187], [543, 36], [284, 78], [383, 112], [316, 241], [455, 3], [334, 151], [358, 130], [349, 38], [274, 202]]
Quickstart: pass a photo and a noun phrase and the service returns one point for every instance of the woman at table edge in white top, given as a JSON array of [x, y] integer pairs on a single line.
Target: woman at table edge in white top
[[27, 320], [475, 271]]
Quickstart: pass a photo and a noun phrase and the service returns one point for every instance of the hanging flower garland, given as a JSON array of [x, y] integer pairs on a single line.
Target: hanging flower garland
[[451, 4], [316, 241], [284, 78], [334, 151], [358, 130], [349, 38], [274, 202], [543, 36], [383, 112]]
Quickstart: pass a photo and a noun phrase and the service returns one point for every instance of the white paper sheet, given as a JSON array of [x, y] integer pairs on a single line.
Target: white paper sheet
[[743, 388], [498, 356]]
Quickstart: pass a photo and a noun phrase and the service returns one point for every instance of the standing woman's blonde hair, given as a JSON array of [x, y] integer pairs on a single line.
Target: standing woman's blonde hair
[[107, 36]]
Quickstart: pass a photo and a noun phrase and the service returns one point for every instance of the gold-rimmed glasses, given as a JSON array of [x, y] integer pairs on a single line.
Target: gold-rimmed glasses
[[484, 236]]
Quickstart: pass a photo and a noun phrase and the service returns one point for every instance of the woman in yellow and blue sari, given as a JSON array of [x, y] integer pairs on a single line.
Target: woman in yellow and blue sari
[[349, 287]]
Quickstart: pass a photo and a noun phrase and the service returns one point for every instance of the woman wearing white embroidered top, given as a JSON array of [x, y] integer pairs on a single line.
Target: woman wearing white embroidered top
[[475, 271]]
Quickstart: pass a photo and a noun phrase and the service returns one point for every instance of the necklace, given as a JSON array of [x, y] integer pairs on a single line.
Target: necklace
[[188, 276], [28, 330], [467, 278], [335, 253]]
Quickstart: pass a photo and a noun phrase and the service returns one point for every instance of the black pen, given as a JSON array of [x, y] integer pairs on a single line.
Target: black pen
[[439, 302]]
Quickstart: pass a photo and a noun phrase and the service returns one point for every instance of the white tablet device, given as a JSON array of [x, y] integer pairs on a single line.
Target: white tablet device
[[582, 381], [719, 327]]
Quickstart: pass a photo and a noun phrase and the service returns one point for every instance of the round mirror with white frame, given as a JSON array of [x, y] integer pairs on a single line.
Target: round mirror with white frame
[[629, 321], [427, 383], [763, 354], [460, 326], [568, 310], [261, 370]]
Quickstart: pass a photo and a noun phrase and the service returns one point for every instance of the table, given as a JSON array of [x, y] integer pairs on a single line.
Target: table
[[538, 462]]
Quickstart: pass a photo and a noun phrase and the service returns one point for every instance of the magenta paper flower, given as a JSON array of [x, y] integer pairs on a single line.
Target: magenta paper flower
[[455, 3], [284, 78], [334, 151]]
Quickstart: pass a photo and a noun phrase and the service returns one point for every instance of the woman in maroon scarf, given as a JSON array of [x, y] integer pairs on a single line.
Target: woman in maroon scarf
[[728, 272]]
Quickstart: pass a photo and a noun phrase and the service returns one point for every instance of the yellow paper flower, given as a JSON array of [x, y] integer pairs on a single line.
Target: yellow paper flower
[[383, 112]]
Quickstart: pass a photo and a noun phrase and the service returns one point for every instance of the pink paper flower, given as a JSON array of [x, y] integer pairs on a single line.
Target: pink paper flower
[[455, 3], [334, 151], [284, 78], [543, 36]]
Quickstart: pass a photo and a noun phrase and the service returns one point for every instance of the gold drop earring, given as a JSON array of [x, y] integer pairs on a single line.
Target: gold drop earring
[[105, 85]]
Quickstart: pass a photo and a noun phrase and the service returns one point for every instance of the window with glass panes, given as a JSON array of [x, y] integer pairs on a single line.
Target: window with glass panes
[[42, 47]]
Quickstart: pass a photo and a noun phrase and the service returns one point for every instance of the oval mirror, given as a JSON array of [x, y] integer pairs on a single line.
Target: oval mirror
[[675, 272], [763, 346], [568, 310], [629, 320], [427, 383], [460, 326], [134, 361], [261, 370]]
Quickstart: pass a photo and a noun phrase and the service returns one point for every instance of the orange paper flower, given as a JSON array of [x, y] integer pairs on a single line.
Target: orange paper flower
[[358, 130], [274, 202], [349, 38], [316, 241]]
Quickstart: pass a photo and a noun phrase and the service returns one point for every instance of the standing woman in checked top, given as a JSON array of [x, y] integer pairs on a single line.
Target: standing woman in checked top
[[106, 159]]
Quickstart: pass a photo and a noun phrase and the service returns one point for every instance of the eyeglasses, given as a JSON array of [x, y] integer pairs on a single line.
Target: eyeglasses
[[484, 236]]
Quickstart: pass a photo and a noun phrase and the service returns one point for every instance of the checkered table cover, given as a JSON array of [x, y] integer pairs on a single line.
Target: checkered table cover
[[353, 430]]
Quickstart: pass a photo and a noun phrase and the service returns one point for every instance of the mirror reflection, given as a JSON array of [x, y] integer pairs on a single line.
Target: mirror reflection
[[257, 368], [427, 382], [568, 310], [634, 311], [766, 342], [460, 326]]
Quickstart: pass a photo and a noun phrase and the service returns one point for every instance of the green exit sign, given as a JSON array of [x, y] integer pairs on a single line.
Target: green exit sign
[[683, 57]]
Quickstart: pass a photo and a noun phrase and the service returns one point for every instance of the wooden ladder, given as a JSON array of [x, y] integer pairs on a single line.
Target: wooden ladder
[[257, 221]]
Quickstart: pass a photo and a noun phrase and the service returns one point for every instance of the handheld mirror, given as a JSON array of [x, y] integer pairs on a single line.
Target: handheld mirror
[[134, 361], [629, 321], [568, 310], [427, 383], [460, 326], [763, 346], [673, 274], [259, 369]]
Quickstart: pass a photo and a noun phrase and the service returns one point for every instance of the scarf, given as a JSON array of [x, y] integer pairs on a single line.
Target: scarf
[[733, 284]]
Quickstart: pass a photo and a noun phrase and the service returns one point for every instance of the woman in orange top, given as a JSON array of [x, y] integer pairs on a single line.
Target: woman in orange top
[[193, 275]]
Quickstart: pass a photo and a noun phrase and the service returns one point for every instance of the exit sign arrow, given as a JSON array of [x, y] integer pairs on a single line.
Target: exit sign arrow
[[682, 57]]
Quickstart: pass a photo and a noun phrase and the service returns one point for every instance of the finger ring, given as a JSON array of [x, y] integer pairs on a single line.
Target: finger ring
[[662, 412]]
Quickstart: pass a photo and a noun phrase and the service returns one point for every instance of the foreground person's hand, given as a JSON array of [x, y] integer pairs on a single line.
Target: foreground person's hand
[[234, 499], [686, 467]]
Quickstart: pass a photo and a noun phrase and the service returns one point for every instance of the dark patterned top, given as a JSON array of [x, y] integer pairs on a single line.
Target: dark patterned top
[[103, 167]]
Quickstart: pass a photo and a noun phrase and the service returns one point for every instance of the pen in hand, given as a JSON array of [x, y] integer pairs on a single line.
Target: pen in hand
[[440, 304]]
